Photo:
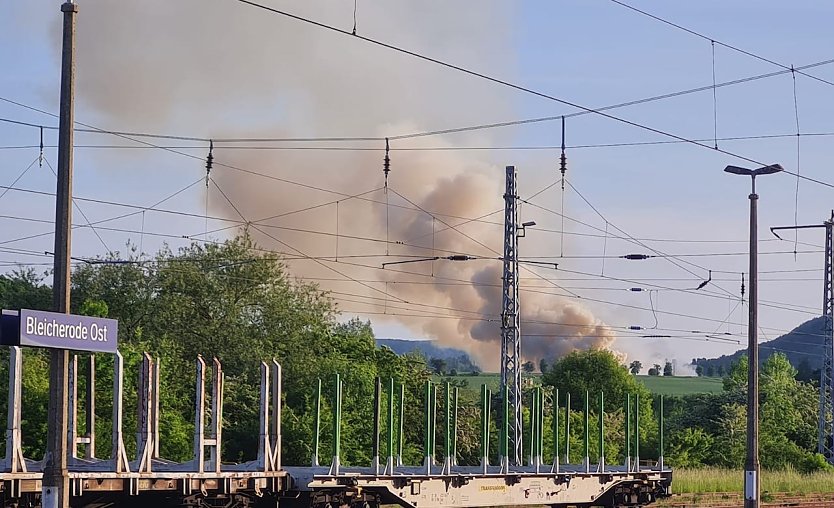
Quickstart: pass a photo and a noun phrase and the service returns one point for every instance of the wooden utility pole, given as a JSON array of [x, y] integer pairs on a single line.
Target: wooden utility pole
[[55, 477]]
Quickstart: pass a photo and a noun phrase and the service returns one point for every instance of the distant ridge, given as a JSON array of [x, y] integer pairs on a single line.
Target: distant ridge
[[454, 358], [802, 346]]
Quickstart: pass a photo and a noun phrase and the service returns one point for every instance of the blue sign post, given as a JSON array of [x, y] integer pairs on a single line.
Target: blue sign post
[[62, 331]]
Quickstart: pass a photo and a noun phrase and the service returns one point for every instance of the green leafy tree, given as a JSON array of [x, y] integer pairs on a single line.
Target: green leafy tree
[[24, 289], [788, 417], [234, 302], [438, 365], [736, 379], [95, 308], [635, 367], [594, 371], [691, 447]]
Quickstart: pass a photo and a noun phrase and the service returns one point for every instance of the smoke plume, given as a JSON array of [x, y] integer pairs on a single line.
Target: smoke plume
[[222, 69]]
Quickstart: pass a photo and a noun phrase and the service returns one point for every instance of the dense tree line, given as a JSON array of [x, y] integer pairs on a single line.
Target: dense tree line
[[709, 429], [702, 429], [234, 302]]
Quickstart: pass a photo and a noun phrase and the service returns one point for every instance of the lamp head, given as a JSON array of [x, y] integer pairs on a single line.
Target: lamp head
[[528, 224], [765, 170], [738, 171], [769, 170]]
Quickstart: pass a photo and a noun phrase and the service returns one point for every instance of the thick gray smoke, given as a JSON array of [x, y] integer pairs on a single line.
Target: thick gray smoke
[[218, 68]]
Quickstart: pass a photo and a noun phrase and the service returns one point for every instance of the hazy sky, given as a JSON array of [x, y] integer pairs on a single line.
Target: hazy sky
[[219, 68]]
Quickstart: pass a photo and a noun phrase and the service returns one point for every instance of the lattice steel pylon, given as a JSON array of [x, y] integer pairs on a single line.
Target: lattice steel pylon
[[825, 443], [825, 423], [510, 322]]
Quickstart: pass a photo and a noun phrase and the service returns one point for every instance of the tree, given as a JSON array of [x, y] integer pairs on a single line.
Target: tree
[[710, 429], [736, 379], [95, 308], [655, 370], [24, 289], [805, 372], [667, 369], [635, 367], [542, 365], [528, 367], [711, 371], [233, 302], [691, 447], [594, 371], [699, 370], [438, 365]]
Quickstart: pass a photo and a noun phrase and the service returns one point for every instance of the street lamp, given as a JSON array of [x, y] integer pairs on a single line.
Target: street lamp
[[523, 227], [752, 478]]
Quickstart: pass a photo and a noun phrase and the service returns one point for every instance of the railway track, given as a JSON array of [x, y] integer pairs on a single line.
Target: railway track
[[735, 500]]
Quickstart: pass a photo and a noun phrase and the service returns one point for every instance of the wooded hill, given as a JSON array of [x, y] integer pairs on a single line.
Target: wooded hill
[[802, 346]]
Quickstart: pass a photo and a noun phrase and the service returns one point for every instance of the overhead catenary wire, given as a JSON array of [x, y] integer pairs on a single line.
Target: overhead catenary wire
[[19, 177], [263, 220], [407, 135], [40, 156], [476, 241], [798, 159], [737, 49], [197, 215], [632, 281], [81, 211], [141, 208], [298, 251], [155, 208], [444, 148], [677, 255], [626, 235], [764, 303], [239, 223], [613, 303], [574, 295], [521, 88], [416, 306], [174, 235], [563, 169], [714, 97]]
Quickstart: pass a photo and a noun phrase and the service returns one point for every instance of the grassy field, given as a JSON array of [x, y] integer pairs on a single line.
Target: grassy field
[[656, 384], [663, 385], [702, 481], [475, 381]]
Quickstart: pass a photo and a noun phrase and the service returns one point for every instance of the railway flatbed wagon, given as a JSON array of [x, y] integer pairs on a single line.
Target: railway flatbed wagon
[[205, 481], [464, 488]]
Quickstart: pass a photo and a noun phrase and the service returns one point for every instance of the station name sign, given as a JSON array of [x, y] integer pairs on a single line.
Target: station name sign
[[63, 331]]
